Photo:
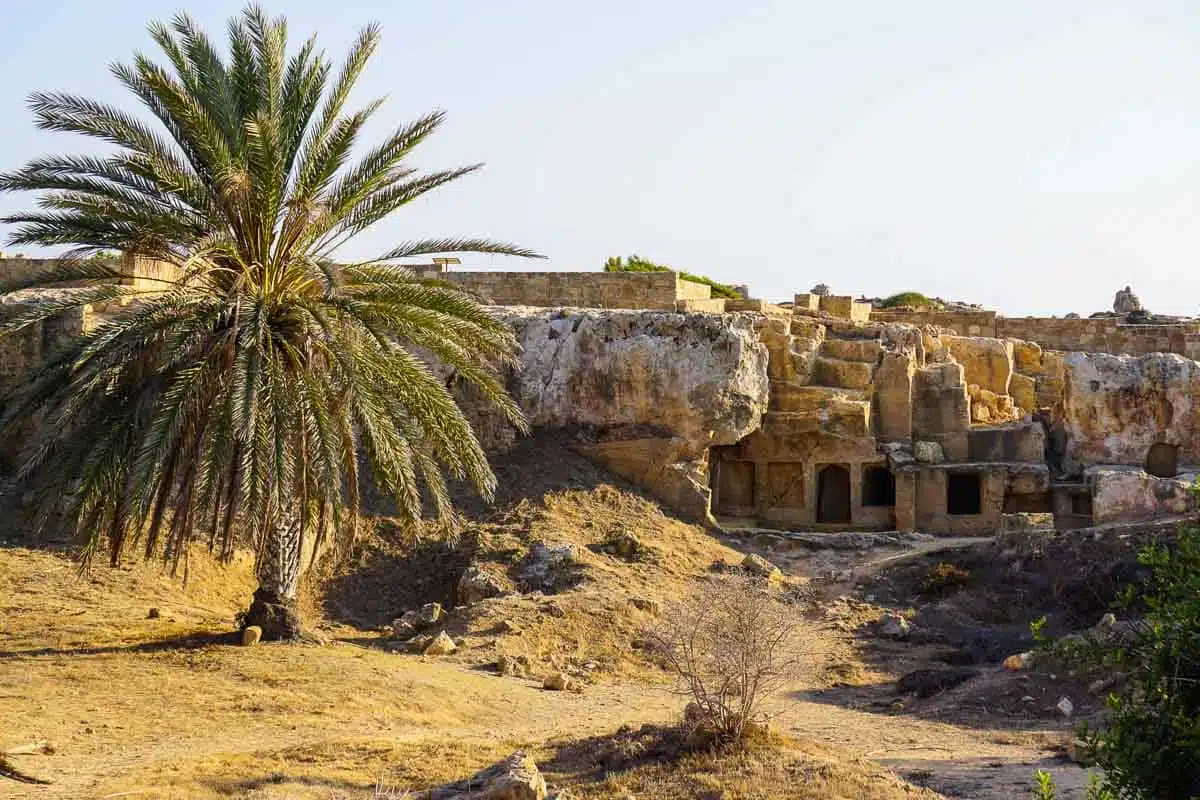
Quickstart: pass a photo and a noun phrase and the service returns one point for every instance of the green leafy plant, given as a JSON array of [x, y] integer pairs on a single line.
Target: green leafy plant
[[1044, 789], [236, 402], [907, 299], [1149, 746], [636, 263]]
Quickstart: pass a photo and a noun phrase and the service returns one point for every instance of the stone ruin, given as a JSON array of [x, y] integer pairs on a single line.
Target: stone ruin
[[827, 414]]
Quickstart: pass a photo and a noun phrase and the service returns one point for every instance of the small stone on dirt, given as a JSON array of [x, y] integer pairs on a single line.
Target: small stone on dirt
[[928, 682], [430, 614], [624, 545], [552, 610], [508, 626], [441, 645], [893, 626], [557, 682], [1019, 662], [478, 584], [153, 613], [1065, 707], [515, 778], [757, 565], [646, 604], [251, 635]]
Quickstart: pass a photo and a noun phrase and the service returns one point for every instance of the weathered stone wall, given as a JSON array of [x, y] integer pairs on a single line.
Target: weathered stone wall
[[964, 323], [657, 291], [1102, 335]]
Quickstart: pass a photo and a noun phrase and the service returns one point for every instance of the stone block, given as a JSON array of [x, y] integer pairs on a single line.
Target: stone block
[[846, 374], [986, 362], [893, 381], [1019, 442], [1023, 391]]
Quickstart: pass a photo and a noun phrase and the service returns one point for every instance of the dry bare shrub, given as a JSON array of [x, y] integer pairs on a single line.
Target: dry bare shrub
[[731, 644]]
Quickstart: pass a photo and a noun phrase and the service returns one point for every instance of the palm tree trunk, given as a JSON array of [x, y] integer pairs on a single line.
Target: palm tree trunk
[[274, 606]]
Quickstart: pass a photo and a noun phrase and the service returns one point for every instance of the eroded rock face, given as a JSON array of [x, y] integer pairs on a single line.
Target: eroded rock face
[[1117, 407], [1130, 493], [703, 377], [654, 389]]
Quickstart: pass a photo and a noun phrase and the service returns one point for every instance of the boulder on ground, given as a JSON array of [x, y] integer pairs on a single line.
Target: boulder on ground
[[478, 584], [757, 565], [517, 666], [515, 778], [624, 544], [892, 626], [430, 614], [552, 567], [556, 682], [251, 635], [440, 645]]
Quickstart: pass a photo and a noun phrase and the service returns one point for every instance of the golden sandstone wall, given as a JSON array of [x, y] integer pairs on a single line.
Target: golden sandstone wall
[[657, 291], [1102, 335]]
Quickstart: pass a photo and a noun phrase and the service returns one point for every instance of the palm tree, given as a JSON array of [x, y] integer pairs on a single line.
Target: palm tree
[[236, 400]]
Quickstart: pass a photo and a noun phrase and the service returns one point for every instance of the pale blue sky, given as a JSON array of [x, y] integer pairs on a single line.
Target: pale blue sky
[[1032, 156]]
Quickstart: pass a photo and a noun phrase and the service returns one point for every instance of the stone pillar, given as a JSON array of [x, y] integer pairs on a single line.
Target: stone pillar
[[906, 500]]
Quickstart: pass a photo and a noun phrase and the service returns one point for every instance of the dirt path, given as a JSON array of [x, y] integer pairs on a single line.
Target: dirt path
[[182, 723]]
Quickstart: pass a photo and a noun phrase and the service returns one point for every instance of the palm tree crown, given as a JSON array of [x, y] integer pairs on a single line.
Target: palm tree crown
[[241, 394]]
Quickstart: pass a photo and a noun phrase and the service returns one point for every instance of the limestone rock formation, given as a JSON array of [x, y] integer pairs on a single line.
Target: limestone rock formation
[[1117, 407], [515, 778], [654, 390], [1126, 302], [477, 584], [1128, 493]]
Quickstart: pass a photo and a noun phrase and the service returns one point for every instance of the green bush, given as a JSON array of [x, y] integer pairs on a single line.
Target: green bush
[[636, 263], [910, 299], [1149, 746]]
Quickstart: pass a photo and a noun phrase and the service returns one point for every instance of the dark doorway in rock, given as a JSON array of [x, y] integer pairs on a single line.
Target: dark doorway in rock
[[879, 487], [833, 494], [1162, 460], [963, 493]]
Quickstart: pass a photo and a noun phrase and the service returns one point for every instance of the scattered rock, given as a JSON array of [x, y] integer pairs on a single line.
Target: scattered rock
[[757, 565], [402, 628], [553, 610], [552, 567], [440, 645], [646, 604], [251, 635], [515, 778], [893, 626], [928, 682], [1065, 707], [516, 666], [417, 644], [430, 614], [153, 613], [556, 682], [1019, 662], [477, 584], [624, 545], [508, 626]]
